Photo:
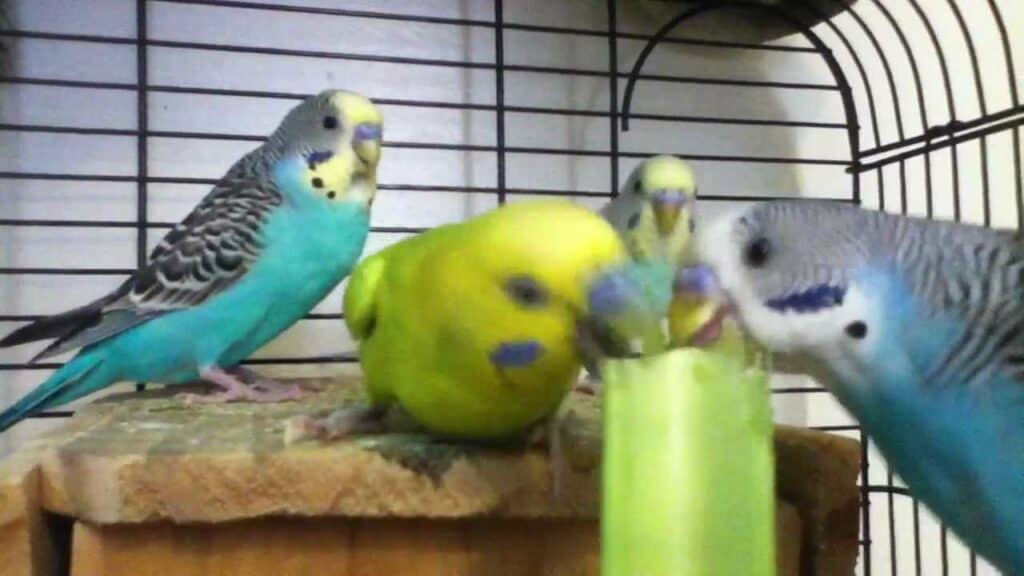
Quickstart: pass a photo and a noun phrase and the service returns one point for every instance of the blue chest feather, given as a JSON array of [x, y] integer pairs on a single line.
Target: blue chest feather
[[306, 254]]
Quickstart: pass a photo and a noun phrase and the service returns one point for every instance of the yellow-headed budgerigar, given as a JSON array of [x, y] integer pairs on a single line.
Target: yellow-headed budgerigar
[[472, 327], [654, 210], [278, 232], [917, 327]]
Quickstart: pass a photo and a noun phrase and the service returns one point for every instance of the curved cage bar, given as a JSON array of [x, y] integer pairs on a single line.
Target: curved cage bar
[[909, 146]]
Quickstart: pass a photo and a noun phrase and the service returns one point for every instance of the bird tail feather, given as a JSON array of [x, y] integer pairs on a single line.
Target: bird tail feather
[[80, 376]]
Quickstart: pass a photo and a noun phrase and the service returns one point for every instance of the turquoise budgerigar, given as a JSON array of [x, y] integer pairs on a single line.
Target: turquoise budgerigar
[[919, 329], [275, 235]]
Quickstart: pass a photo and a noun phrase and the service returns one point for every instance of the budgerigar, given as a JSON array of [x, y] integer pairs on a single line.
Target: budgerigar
[[654, 210], [639, 302], [278, 232], [919, 326], [472, 327]]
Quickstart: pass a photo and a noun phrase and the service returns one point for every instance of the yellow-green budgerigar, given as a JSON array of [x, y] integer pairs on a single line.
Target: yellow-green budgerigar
[[472, 328], [654, 209], [654, 216], [278, 232]]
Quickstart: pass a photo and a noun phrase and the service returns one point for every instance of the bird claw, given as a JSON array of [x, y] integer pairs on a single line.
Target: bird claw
[[278, 392], [234, 388], [224, 396], [255, 394], [341, 423], [267, 389]]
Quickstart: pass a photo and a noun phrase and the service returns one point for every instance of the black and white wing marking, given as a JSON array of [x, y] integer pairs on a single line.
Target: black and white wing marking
[[210, 250], [982, 285]]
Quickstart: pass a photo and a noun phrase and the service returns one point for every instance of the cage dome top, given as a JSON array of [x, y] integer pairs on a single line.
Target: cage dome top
[[744, 24]]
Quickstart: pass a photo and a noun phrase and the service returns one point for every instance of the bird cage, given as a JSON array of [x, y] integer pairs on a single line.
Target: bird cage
[[117, 116]]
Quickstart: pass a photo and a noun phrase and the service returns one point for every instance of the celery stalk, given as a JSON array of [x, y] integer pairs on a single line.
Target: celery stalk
[[688, 467]]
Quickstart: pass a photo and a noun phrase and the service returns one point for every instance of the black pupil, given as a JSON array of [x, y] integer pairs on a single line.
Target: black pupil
[[857, 330], [526, 291], [758, 252], [330, 122]]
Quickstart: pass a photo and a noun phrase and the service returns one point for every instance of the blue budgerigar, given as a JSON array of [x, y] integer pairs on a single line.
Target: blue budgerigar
[[275, 235], [919, 326]]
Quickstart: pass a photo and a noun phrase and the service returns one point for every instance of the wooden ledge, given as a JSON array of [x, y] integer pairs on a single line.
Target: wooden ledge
[[149, 458]]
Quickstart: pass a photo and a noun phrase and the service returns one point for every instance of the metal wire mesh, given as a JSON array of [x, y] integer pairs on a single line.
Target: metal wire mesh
[[863, 49]]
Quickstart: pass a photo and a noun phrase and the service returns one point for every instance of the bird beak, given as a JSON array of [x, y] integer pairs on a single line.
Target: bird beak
[[698, 280], [667, 205], [698, 283], [366, 141]]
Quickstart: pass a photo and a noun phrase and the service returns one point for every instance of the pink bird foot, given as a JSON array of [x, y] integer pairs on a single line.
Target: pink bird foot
[[233, 389]]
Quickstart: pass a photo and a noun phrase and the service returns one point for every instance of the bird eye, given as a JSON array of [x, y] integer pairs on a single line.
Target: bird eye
[[857, 330], [330, 122], [638, 186], [526, 291], [757, 253]]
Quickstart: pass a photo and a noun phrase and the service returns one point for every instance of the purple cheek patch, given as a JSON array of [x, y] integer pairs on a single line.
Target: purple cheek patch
[[517, 354], [315, 158], [811, 300]]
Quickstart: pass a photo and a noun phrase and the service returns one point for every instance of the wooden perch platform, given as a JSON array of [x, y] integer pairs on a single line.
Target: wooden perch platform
[[149, 485]]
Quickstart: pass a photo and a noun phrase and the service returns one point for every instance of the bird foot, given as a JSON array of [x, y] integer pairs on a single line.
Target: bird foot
[[268, 388], [341, 423], [262, 390], [253, 394]]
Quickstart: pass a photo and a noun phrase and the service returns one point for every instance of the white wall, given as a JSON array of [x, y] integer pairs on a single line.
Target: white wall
[[175, 157]]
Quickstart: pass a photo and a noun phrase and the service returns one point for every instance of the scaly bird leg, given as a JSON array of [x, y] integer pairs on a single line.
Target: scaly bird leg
[[234, 389], [548, 434], [348, 421]]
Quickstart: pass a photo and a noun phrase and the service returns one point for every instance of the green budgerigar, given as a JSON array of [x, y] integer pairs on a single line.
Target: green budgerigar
[[472, 327], [278, 232]]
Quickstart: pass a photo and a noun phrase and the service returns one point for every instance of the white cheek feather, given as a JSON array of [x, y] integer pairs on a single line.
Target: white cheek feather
[[822, 333]]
